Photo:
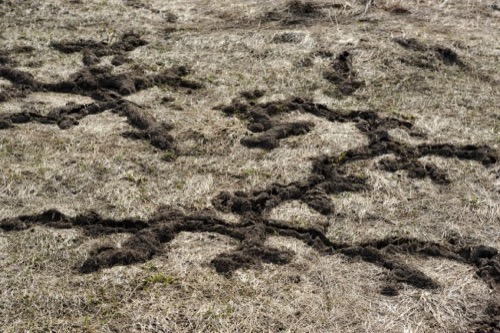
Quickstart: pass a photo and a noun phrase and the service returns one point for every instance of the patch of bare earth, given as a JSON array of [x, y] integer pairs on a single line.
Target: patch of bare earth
[[249, 166]]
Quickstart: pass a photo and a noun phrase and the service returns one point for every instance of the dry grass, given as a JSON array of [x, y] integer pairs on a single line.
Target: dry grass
[[231, 47]]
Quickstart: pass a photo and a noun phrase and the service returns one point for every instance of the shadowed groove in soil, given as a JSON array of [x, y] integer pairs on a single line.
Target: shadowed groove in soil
[[102, 85]]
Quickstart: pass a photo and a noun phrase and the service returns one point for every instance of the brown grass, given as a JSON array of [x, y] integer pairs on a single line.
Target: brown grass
[[229, 46]]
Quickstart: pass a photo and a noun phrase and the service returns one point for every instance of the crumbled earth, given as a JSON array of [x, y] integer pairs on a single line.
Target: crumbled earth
[[427, 55], [175, 80], [343, 75], [99, 83], [148, 235], [297, 12]]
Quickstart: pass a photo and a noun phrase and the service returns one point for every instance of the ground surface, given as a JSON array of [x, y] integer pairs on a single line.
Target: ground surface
[[249, 166]]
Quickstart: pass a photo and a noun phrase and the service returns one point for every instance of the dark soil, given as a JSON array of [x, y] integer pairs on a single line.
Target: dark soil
[[148, 235], [101, 84], [253, 94], [4, 58], [304, 62], [260, 120], [343, 75], [323, 53], [89, 58], [298, 12], [5, 54], [330, 174], [428, 55], [68, 116], [389, 290], [490, 322], [313, 192], [397, 10], [23, 49], [411, 44], [119, 60], [448, 56], [415, 169], [269, 139]]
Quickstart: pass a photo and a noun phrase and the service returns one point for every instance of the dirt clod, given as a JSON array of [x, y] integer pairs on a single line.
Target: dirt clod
[[343, 75], [415, 169], [428, 55], [411, 44], [297, 12], [253, 94], [389, 290], [128, 42]]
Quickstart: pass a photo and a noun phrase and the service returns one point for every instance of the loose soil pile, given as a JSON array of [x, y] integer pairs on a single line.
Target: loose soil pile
[[99, 83], [328, 175], [148, 235]]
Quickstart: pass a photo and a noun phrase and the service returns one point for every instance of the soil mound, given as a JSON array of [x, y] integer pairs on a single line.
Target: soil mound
[[101, 84], [343, 75], [148, 235]]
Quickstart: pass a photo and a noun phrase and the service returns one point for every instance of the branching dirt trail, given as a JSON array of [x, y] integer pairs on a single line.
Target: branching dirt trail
[[100, 84], [314, 110]]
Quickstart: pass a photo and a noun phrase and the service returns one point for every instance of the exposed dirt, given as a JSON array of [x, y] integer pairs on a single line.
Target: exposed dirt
[[313, 191], [309, 33], [490, 323], [411, 44], [253, 94], [389, 290], [4, 58], [427, 56], [329, 174], [343, 75], [260, 120], [396, 9], [68, 116], [298, 12], [119, 60], [149, 235], [99, 83], [415, 169], [128, 42]]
